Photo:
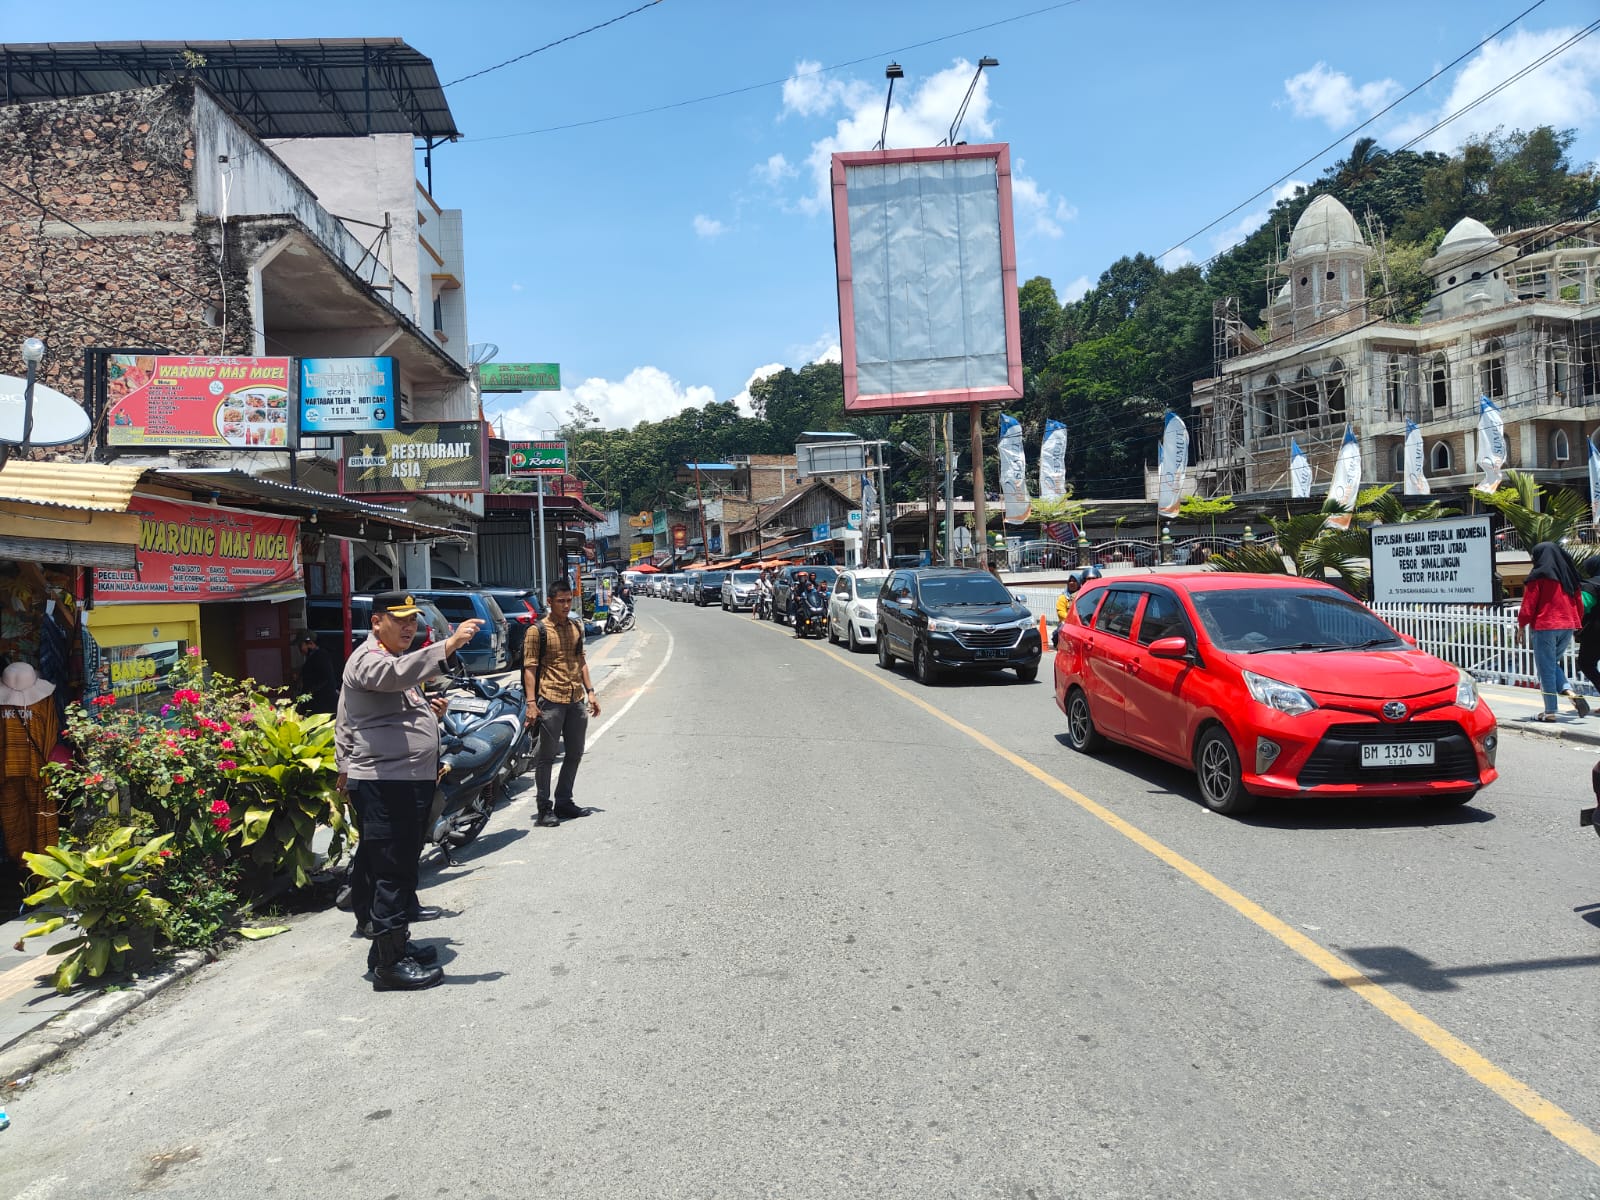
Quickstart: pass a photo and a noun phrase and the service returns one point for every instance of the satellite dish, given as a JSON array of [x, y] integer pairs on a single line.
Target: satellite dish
[[58, 419], [481, 352]]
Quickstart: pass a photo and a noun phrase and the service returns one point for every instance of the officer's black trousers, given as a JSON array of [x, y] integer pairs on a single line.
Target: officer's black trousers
[[383, 878]]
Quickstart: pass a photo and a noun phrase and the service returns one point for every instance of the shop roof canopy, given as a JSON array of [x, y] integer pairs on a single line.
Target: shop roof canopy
[[306, 87], [343, 516]]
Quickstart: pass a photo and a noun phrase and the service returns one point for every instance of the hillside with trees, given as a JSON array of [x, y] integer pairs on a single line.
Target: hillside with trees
[[1108, 363]]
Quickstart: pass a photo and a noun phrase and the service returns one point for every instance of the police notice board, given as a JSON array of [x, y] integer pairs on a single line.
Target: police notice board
[[1449, 561]]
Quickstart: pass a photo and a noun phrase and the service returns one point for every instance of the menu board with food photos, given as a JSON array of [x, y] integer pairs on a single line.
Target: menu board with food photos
[[197, 402]]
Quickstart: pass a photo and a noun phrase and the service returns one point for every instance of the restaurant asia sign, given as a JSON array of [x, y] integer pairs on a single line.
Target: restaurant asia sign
[[445, 456], [195, 552], [175, 403]]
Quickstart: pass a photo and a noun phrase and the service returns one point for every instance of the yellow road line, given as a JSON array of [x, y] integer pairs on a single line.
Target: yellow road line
[[1555, 1120]]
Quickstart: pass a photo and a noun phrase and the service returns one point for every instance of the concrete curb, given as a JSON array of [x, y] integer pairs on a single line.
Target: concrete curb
[[1557, 733], [66, 1029]]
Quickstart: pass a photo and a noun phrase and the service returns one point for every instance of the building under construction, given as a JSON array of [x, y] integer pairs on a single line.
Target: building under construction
[[1511, 317]]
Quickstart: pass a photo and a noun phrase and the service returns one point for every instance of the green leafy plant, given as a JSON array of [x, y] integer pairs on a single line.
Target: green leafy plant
[[101, 887], [1535, 514], [287, 781]]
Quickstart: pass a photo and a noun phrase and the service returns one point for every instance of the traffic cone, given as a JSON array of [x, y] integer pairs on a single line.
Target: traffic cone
[[1044, 632]]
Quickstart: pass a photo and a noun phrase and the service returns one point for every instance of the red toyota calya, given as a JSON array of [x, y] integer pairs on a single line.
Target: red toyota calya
[[1268, 685]]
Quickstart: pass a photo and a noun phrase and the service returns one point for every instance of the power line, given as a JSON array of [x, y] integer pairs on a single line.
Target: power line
[[1333, 145], [557, 42], [755, 87]]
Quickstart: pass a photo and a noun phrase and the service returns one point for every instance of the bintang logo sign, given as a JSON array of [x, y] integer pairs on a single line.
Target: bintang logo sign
[[444, 457]]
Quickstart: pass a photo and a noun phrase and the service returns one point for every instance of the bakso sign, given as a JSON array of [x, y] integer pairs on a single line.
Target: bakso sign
[[1450, 561], [172, 403]]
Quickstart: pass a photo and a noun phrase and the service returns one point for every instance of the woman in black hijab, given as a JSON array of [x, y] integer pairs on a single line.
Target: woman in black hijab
[[1552, 612], [1589, 635]]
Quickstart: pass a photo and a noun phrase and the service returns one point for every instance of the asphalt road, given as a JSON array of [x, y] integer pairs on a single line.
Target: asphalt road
[[836, 934]]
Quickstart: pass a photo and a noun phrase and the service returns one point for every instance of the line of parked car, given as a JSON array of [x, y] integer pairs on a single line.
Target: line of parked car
[[942, 620], [506, 613]]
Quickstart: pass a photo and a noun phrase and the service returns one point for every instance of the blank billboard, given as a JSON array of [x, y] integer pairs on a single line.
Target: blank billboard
[[927, 267]]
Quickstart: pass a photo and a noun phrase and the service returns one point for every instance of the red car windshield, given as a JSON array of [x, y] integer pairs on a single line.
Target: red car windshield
[[1252, 620]]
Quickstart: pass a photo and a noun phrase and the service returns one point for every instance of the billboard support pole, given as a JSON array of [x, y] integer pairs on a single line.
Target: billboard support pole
[[544, 589], [883, 505], [980, 512], [949, 489], [933, 493]]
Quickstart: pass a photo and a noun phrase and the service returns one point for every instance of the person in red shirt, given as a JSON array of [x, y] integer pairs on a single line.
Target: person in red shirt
[[1551, 612]]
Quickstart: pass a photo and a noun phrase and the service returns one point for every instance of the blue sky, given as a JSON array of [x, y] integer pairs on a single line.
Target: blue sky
[[663, 259]]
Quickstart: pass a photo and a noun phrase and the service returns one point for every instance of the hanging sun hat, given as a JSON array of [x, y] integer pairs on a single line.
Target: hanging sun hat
[[20, 686]]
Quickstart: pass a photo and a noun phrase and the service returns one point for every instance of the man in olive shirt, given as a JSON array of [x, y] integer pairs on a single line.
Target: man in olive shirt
[[386, 740], [555, 678]]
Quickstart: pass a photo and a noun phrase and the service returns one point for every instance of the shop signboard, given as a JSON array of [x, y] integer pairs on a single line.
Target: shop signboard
[[529, 460], [519, 377], [643, 521], [446, 456], [680, 537], [639, 551], [347, 395], [197, 552], [177, 403]]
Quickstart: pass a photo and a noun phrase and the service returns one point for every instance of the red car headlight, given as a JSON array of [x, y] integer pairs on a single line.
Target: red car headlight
[[1284, 697]]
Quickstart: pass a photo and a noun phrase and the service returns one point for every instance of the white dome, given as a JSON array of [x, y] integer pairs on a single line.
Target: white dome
[[1325, 227], [1468, 234]]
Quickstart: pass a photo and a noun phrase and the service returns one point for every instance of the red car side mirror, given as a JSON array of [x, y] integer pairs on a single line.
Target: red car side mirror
[[1170, 647]]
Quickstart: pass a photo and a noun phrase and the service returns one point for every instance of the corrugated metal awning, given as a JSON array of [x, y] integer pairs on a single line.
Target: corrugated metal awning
[[89, 486], [290, 499]]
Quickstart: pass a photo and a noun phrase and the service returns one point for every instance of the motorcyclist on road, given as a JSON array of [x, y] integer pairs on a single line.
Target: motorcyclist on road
[[803, 601], [762, 604]]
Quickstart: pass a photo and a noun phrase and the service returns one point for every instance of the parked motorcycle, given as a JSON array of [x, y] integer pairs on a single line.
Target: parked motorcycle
[[807, 615], [619, 618], [485, 742]]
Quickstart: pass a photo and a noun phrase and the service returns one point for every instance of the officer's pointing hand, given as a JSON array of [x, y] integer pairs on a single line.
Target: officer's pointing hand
[[463, 634]]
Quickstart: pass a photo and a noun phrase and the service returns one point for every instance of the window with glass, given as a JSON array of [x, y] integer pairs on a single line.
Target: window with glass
[[868, 587], [1251, 620], [1163, 617], [1116, 614]]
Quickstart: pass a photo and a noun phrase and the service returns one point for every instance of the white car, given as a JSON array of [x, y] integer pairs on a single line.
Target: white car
[[853, 607]]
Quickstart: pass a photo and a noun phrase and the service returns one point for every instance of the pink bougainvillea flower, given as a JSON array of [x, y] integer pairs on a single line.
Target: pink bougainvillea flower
[[103, 701], [97, 777], [227, 743], [164, 853], [193, 652], [227, 764], [220, 807], [179, 779], [224, 727], [166, 709], [222, 824]]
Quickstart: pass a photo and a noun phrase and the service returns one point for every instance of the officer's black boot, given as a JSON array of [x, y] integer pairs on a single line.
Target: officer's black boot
[[394, 972], [425, 955]]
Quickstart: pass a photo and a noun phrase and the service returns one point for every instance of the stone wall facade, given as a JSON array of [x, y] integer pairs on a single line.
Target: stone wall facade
[[100, 244]]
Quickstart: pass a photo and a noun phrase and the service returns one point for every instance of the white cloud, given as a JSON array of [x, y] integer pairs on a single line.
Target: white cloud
[[1231, 235], [646, 394], [1035, 209], [516, 287], [823, 348], [1333, 97], [833, 354], [1180, 256], [775, 170], [919, 116], [1077, 289], [1565, 92], [743, 398], [708, 227], [809, 92]]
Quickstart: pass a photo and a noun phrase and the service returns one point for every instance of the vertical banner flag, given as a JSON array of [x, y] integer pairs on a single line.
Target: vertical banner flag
[[1053, 461], [1173, 464], [1491, 444], [1013, 470], [1299, 471], [1416, 480], [869, 502], [1346, 485], [1594, 481]]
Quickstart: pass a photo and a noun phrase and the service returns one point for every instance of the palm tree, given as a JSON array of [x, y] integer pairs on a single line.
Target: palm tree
[[1539, 516], [1307, 545], [1362, 164]]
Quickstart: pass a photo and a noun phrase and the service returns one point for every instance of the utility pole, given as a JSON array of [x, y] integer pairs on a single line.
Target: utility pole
[[705, 545], [980, 512], [949, 489], [933, 494]]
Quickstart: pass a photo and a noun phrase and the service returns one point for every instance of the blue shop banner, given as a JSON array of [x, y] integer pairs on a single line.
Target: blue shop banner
[[347, 395]]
